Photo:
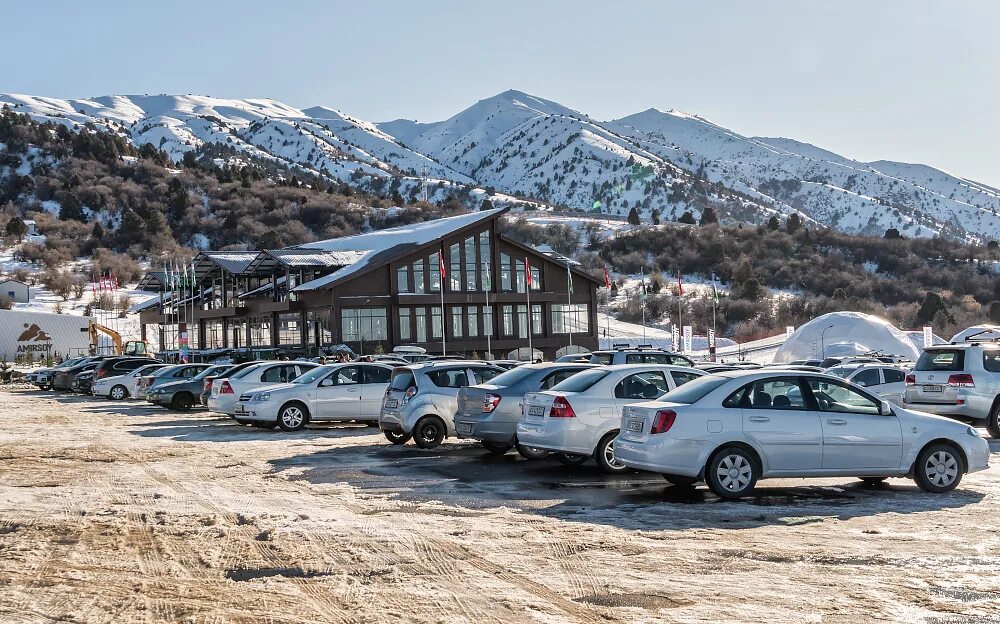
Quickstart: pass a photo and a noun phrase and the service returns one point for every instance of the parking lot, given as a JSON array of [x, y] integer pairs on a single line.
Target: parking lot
[[120, 512]]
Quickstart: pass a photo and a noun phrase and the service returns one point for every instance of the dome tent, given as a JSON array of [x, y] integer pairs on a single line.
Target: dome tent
[[985, 331], [843, 334]]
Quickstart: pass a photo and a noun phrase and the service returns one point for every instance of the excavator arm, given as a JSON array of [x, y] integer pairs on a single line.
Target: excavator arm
[[132, 347]]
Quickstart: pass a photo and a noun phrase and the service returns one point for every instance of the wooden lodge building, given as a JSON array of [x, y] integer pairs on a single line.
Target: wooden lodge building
[[376, 291]]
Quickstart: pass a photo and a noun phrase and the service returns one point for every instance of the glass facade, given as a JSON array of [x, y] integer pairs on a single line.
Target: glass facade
[[289, 329], [358, 324], [522, 321], [488, 321], [455, 269], [473, 317], [436, 322], [403, 279], [259, 331], [434, 267], [418, 276], [471, 261], [506, 273], [213, 333], [570, 318], [507, 320], [420, 316], [404, 324], [319, 327], [457, 321], [537, 320]]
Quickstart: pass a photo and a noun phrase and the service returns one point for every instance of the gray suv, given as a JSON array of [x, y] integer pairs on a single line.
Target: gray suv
[[959, 380], [639, 356], [489, 412]]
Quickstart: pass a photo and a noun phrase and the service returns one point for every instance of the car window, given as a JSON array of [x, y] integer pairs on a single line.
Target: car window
[[376, 374], [482, 374], [402, 379], [602, 358], [449, 378], [681, 377], [779, 393], [941, 360], [513, 376], [867, 377], [893, 375], [345, 376], [695, 390], [275, 374], [833, 396], [647, 385], [991, 360], [558, 377]]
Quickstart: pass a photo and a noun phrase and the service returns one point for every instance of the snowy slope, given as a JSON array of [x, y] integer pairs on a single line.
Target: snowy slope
[[525, 147]]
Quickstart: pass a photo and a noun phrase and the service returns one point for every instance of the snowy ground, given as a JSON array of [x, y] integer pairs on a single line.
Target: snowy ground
[[125, 512]]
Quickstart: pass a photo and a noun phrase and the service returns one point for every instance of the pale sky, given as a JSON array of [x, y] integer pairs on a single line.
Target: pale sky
[[901, 80]]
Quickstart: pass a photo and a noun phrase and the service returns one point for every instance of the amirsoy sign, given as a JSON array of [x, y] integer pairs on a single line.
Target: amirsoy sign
[[34, 341]]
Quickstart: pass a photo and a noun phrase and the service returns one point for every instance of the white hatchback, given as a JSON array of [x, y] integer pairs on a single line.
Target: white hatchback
[[334, 392], [579, 418], [732, 428]]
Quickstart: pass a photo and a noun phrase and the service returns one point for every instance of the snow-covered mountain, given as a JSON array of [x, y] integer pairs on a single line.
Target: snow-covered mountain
[[516, 144]]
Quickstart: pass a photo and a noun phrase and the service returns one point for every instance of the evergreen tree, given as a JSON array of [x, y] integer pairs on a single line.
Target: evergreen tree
[[97, 232], [931, 307], [773, 224], [656, 217], [687, 217], [633, 216], [892, 234], [793, 223], [70, 207], [708, 216], [16, 227], [995, 312]]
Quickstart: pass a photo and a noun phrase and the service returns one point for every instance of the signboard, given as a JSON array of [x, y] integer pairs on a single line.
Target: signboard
[[183, 343], [711, 339], [675, 337], [687, 338], [789, 330], [928, 336]]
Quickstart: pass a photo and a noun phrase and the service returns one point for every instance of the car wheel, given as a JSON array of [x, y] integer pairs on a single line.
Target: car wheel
[[873, 481], [939, 468], [118, 393], [680, 480], [606, 459], [993, 422], [429, 432], [182, 401], [731, 472], [396, 437], [292, 417], [569, 459], [530, 452], [497, 448]]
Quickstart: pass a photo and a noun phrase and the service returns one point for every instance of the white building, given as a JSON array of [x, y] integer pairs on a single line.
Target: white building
[[16, 291]]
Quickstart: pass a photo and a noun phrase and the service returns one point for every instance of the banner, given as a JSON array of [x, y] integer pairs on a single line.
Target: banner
[[675, 337], [789, 330], [687, 339], [711, 339], [928, 336]]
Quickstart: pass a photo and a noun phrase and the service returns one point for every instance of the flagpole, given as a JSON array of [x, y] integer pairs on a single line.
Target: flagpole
[[642, 301], [488, 284], [527, 294], [569, 303], [680, 317], [715, 304], [444, 321]]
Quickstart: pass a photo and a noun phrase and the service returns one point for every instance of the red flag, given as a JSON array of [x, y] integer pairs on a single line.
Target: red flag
[[444, 273], [680, 285], [527, 271], [114, 282], [607, 278]]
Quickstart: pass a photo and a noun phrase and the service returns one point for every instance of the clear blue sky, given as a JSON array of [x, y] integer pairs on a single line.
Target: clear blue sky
[[896, 79]]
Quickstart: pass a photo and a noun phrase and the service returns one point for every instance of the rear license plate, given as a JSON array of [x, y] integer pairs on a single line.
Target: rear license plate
[[392, 402], [536, 410], [934, 388], [463, 428], [634, 426]]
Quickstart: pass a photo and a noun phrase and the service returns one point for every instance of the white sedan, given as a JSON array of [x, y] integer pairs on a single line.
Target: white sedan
[[226, 390], [732, 428], [579, 418], [123, 386], [337, 392]]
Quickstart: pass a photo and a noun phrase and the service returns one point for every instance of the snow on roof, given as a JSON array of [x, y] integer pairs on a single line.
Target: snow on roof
[[312, 258], [232, 261], [383, 245]]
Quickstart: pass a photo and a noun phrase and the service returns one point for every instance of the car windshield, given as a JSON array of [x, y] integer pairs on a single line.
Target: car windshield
[[312, 375], [513, 376], [694, 391], [841, 372], [941, 360], [581, 382]]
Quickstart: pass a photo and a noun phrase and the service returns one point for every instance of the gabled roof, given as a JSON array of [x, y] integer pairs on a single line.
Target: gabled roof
[[271, 259], [551, 256], [381, 247], [231, 261], [12, 281]]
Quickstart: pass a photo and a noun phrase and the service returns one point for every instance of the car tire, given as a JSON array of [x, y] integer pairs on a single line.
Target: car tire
[[732, 472], [993, 422], [118, 392], [939, 468], [292, 417], [497, 448], [605, 454], [569, 459], [680, 480], [182, 401], [530, 452], [396, 437], [429, 432]]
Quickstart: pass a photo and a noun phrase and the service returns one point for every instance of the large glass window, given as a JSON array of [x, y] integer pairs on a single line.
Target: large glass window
[[508, 320], [289, 330], [455, 271], [404, 324], [213, 334], [484, 248], [537, 322], [522, 321], [536, 278], [434, 267], [420, 316], [570, 318], [506, 272], [519, 275], [363, 324], [259, 328], [436, 322], [488, 321], [403, 279], [470, 264], [473, 312], [319, 326], [457, 320], [418, 276]]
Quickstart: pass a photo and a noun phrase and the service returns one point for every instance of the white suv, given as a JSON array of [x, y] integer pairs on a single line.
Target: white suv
[[886, 380], [639, 356], [960, 380], [422, 400]]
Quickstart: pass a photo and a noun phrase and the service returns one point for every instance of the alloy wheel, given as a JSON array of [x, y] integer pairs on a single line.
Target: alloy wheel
[[941, 468], [118, 393], [292, 417], [609, 455]]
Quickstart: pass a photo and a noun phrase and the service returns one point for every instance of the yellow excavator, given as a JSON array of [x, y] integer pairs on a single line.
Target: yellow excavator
[[132, 347]]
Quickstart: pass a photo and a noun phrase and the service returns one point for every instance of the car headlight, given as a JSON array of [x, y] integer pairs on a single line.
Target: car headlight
[[972, 431], [261, 396]]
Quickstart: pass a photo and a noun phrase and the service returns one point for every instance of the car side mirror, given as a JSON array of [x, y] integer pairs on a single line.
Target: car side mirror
[[885, 408]]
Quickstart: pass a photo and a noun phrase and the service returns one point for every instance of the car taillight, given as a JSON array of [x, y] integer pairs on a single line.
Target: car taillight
[[910, 380], [490, 402], [663, 421], [961, 380], [225, 388], [561, 409]]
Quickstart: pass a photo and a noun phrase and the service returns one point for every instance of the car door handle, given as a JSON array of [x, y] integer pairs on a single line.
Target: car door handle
[[836, 421], [759, 419]]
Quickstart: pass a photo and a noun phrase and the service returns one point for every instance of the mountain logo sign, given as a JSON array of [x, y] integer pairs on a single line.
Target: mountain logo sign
[[33, 340]]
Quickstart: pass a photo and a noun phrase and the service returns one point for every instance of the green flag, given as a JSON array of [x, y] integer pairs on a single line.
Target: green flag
[[569, 278]]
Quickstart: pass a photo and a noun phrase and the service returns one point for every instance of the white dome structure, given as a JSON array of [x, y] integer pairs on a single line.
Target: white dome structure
[[844, 334], [983, 332]]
